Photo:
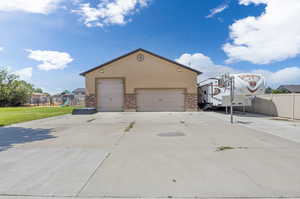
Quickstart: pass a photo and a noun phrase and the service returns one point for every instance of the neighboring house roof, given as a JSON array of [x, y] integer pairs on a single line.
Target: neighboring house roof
[[79, 90], [290, 88], [38, 94], [140, 49], [68, 94]]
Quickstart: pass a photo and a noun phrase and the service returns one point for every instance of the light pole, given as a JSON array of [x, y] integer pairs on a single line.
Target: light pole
[[231, 98]]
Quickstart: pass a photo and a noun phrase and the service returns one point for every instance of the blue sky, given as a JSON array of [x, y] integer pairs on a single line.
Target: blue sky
[[49, 42]]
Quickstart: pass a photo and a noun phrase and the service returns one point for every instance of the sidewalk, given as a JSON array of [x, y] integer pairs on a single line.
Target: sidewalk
[[288, 129]]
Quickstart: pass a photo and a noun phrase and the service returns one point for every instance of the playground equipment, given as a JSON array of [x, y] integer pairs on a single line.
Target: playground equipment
[[66, 102]]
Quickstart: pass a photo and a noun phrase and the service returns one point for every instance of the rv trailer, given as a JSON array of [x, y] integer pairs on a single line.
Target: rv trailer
[[215, 92]]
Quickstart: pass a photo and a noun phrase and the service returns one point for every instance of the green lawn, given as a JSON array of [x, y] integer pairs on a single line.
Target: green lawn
[[13, 115]]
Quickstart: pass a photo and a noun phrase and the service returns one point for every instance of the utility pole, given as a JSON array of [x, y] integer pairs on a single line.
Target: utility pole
[[231, 98]]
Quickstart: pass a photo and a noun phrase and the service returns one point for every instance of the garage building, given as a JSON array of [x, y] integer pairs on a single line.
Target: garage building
[[141, 81]]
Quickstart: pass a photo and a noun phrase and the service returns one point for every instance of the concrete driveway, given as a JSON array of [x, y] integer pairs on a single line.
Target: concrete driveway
[[163, 155]]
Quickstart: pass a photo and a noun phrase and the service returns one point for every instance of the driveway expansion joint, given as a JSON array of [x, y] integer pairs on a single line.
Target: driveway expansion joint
[[90, 177]]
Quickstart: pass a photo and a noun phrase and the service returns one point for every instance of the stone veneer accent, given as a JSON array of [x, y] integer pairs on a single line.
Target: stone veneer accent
[[90, 100], [130, 102], [191, 102]]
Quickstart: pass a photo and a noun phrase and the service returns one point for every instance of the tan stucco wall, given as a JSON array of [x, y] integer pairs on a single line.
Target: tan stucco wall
[[297, 106], [153, 72], [282, 105]]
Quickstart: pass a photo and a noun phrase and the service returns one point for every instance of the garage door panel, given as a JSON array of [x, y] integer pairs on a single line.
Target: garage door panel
[[110, 95], [160, 100]]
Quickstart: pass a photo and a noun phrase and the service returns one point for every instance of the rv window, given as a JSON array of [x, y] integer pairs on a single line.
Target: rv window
[[204, 92]]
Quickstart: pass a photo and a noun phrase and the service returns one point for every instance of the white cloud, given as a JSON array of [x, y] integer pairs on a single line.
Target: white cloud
[[32, 6], [1, 48], [217, 10], [204, 64], [24, 74], [51, 60], [75, 2], [273, 36], [109, 12], [247, 2], [288, 75]]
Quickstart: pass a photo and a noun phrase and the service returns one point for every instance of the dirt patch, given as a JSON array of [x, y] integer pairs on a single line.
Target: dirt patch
[[90, 120], [130, 126], [224, 148]]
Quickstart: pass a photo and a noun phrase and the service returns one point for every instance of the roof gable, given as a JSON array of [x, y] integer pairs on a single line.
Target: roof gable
[[140, 49]]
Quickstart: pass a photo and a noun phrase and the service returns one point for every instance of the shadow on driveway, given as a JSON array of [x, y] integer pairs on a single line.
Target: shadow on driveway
[[18, 135]]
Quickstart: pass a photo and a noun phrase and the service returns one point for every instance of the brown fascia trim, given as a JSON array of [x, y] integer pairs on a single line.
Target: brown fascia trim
[[140, 49]]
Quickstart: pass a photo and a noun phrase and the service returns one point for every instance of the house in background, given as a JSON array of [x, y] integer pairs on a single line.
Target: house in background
[[141, 81], [79, 96], [79, 91], [56, 100], [74, 98], [289, 88], [38, 99]]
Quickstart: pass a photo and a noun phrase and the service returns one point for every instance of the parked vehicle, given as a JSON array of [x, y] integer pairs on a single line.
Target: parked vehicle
[[215, 92]]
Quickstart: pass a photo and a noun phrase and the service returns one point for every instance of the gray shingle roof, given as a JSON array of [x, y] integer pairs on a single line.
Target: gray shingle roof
[[79, 90], [290, 88]]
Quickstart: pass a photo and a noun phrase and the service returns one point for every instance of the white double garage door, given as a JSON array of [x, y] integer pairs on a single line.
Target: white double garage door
[[110, 97]]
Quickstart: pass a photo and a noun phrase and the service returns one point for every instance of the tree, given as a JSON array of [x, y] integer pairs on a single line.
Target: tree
[[279, 91], [21, 94], [13, 92], [6, 86], [268, 90], [37, 90]]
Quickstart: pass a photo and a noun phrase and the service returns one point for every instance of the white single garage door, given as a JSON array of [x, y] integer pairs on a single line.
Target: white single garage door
[[160, 100], [110, 94]]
